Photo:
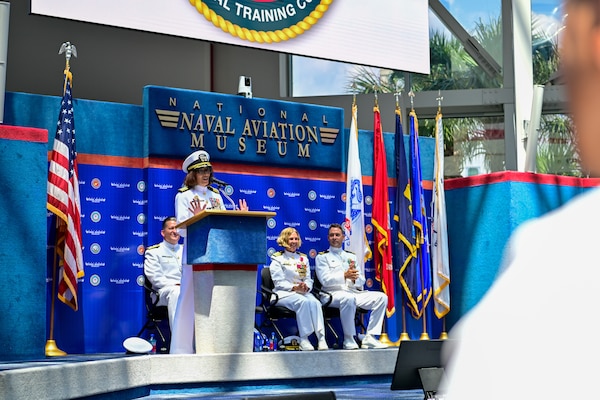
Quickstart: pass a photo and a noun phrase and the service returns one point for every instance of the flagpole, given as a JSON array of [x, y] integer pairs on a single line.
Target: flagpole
[[424, 334], [404, 335], [51, 348], [444, 334]]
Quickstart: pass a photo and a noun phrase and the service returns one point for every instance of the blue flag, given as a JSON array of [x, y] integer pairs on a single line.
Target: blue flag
[[419, 274], [405, 237]]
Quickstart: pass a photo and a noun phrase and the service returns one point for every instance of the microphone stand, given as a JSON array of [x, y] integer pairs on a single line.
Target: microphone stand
[[220, 188]]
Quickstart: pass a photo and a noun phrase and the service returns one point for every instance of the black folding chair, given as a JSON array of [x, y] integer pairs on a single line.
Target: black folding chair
[[155, 316], [272, 312]]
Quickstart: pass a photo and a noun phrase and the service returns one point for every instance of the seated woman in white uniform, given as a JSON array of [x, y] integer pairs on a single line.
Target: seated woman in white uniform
[[195, 196], [290, 271]]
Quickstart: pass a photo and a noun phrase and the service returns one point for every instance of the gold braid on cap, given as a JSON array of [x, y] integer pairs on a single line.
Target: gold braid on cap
[[198, 164]]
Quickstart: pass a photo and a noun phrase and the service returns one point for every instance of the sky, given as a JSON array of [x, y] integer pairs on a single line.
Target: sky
[[314, 77]]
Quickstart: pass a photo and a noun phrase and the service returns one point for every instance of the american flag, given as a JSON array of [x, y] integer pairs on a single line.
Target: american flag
[[63, 200]]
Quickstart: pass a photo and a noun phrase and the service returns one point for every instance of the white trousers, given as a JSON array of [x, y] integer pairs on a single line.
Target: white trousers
[[309, 314], [169, 296], [182, 329], [347, 302]]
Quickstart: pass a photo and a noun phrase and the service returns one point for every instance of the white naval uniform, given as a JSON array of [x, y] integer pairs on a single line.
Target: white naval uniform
[[287, 270], [162, 267], [526, 338], [182, 331], [330, 266]]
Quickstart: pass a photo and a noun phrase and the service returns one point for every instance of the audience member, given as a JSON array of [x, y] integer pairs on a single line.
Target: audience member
[[528, 337]]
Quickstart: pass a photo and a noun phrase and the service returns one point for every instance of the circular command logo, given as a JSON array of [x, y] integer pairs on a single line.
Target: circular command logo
[[94, 280], [96, 183], [140, 280], [95, 248], [271, 193], [271, 223], [312, 195], [95, 216], [141, 186], [263, 21]]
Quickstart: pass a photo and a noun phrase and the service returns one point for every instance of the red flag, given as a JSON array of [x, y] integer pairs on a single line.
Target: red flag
[[380, 217], [63, 200]]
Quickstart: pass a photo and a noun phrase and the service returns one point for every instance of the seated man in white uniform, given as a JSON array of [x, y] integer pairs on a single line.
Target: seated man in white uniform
[[337, 272], [162, 266]]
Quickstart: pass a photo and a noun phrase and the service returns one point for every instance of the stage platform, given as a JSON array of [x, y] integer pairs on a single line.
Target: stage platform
[[231, 376]]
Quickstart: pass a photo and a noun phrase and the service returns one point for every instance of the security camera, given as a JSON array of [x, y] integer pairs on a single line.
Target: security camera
[[245, 87]]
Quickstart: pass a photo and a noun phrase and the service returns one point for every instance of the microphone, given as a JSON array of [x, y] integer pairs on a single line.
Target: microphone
[[219, 182]]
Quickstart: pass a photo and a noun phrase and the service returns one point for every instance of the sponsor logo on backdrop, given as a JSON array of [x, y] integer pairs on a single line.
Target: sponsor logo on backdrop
[[263, 21], [120, 185], [312, 224], [368, 200], [120, 249], [140, 202], [95, 248], [95, 200], [120, 218], [291, 224], [163, 186], [270, 193], [271, 208], [141, 249], [270, 251], [312, 210], [312, 253], [137, 265], [327, 196], [119, 281], [140, 280], [96, 183], [291, 194], [141, 218], [96, 232], [312, 195], [312, 239], [368, 228], [95, 264], [245, 191], [141, 186], [139, 233], [94, 280], [271, 223]]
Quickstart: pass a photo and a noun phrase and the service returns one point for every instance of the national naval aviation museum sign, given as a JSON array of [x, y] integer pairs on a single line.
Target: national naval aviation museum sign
[[234, 128]]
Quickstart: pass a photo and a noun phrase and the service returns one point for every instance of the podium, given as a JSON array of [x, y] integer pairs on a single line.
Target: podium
[[224, 249]]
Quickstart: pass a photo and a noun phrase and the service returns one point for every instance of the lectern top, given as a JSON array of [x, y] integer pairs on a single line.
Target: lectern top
[[231, 213]]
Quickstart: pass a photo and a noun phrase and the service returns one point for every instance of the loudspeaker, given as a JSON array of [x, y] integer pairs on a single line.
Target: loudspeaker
[[302, 396], [419, 365]]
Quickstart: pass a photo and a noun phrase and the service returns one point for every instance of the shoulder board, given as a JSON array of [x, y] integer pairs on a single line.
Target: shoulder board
[[302, 254], [183, 189], [324, 252], [153, 246], [277, 254], [212, 189], [351, 252]]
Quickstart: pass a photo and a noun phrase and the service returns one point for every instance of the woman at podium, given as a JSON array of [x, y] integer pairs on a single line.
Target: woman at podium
[[195, 196], [290, 271]]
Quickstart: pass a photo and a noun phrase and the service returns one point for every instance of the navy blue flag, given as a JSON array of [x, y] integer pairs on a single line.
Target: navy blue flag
[[419, 273], [405, 236]]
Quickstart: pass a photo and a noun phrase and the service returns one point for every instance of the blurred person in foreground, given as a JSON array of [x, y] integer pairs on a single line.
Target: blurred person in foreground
[[525, 339]]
